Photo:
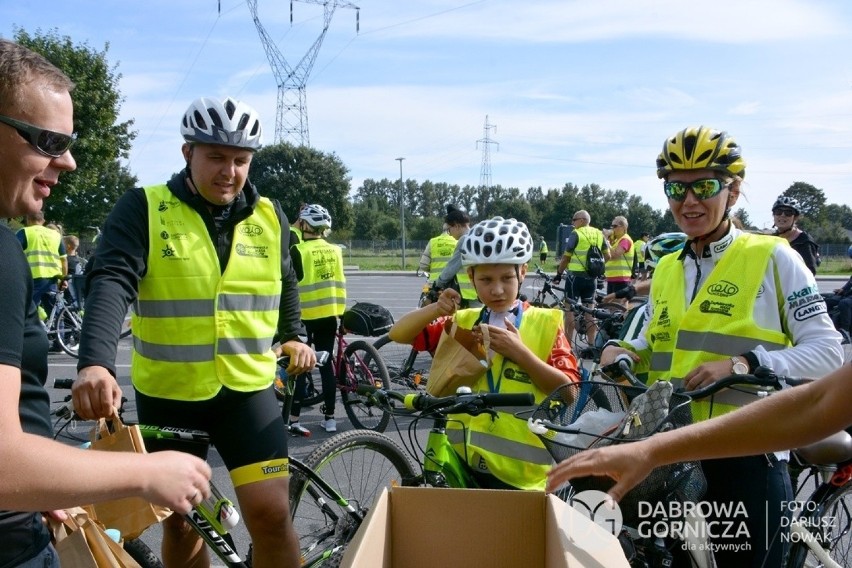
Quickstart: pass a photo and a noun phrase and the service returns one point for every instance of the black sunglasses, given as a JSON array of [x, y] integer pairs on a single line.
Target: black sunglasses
[[47, 142], [784, 213], [702, 188]]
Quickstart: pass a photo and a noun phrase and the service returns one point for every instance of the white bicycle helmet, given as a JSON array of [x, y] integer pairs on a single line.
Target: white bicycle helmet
[[497, 241], [227, 122], [316, 216], [661, 245]]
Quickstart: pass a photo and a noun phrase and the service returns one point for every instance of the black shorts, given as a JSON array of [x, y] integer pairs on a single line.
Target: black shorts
[[580, 287], [246, 427]]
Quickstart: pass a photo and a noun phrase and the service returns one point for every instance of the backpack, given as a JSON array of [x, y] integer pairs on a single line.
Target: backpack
[[595, 263]]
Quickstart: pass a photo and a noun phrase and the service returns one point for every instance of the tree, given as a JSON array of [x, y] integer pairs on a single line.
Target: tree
[[811, 200], [86, 195], [298, 174]]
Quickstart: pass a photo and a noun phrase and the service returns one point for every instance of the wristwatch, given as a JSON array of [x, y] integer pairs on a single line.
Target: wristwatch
[[738, 367]]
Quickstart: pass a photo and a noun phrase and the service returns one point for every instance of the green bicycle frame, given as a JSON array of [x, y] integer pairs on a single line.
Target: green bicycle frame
[[442, 466]]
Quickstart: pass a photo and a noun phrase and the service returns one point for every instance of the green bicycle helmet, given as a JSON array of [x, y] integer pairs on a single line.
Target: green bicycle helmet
[[698, 148]]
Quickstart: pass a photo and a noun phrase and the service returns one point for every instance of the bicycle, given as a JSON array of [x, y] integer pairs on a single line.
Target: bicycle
[[354, 364], [564, 422], [607, 317]]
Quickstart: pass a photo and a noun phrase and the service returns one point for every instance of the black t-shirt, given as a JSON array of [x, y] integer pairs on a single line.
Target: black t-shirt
[[23, 344], [807, 248]]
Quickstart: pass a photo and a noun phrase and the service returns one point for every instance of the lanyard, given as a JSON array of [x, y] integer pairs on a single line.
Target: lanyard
[[484, 315]]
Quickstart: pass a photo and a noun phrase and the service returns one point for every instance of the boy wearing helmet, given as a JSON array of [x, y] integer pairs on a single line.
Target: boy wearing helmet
[[530, 353], [785, 214], [205, 258], [322, 290], [728, 303]]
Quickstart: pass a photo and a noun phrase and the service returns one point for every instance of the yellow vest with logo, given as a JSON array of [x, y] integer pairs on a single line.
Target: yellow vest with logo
[[504, 446], [43, 251], [623, 266], [717, 325], [586, 237], [639, 246], [196, 329], [322, 290], [441, 249]]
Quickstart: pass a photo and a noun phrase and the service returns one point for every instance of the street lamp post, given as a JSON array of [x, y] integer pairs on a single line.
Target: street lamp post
[[402, 209]]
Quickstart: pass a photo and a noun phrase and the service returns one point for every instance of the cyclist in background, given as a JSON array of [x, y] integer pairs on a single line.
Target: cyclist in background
[[452, 275], [709, 318], [40, 475], [47, 257], [530, 354], [785, 214], [619, 267], [542, 250], [205, 259], [641, 268], [439, 250], [322, 290], [580, 286]]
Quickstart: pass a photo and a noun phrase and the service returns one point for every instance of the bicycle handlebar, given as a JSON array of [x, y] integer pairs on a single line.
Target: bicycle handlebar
[[322, 359], [465, 402]]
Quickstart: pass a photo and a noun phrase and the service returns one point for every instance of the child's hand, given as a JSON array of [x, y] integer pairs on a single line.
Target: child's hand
[[506, 342], [448, 302]]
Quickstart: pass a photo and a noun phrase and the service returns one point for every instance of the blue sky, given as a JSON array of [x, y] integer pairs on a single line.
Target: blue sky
[[579, 91]]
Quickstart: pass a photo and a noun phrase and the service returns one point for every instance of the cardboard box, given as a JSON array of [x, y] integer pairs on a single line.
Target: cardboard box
[[419, 527]]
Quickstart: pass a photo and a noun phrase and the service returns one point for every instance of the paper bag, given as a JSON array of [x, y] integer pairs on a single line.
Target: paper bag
[[82, 543], [132, 515], [458, 360]]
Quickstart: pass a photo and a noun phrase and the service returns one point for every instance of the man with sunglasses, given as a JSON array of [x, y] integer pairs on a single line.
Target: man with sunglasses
[[729, 302], [36, 119], [785, 214]]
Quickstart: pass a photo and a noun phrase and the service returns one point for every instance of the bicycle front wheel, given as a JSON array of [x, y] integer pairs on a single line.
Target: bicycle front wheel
[[408, 368], [830, 529], [362, 365], [69, 326], [358, 465]]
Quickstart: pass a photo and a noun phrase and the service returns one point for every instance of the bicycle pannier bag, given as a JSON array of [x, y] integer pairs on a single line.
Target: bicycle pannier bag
[[595, 263], [458, 361], [131, 515], [368, 319], [82, 543]]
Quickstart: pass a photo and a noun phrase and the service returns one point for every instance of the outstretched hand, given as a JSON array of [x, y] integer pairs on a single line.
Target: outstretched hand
[[626, 464]]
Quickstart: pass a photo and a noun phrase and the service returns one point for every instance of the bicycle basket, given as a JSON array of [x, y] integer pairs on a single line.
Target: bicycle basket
[[585, 415], [368, 319]]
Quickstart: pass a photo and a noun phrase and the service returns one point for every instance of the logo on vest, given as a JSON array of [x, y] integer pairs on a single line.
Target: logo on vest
[[252, 250], [517, 375], [250, 230], [166, 205], [723, 288], [711, 307], [164, 235], [169, 251], [660, 336], [664, 318]]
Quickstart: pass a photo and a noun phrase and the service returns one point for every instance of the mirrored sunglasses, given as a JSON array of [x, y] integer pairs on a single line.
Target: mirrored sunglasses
[[702, 188], [47, 142]]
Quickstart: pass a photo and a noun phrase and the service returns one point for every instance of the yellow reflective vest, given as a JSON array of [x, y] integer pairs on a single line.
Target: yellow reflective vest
[[196, 329], [43, 251], [621, 267], [586, 237], [717, 325], [322, 289], [440, 251], [504, 446]]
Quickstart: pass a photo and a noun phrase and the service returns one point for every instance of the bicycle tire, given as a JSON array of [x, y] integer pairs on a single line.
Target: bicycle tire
[[408, 368], [362, 365], [69, 326], [142, 553], [834, 520], [358, 464]]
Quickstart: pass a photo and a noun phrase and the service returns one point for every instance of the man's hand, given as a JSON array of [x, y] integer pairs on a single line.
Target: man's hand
[[557, 278], [302, 357], [95, 394]]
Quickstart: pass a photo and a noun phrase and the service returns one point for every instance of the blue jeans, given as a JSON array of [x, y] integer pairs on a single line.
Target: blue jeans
[[47, 558]]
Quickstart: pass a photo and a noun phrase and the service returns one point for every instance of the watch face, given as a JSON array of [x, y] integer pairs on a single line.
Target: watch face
[[740, 368]]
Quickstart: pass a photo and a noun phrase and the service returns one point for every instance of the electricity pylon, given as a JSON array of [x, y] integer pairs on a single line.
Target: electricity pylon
[[291, 116], [485, 171]]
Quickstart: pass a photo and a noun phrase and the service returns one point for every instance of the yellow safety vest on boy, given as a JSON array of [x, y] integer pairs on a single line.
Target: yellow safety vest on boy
[[322, 289], [717, 325], [504, 446], [196, 329], [440, 251], [586, 237], [43, 251], [621, 267]]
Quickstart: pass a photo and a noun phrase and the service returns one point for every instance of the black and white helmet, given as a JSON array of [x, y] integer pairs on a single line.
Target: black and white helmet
[[788, 202], [316, 216], [228, 122], [497, 241]]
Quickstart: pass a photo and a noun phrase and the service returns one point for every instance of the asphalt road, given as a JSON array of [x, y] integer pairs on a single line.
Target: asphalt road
[[398, 292]]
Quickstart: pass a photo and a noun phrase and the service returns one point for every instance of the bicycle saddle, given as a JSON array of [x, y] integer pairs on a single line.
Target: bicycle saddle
[[836, 448]]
